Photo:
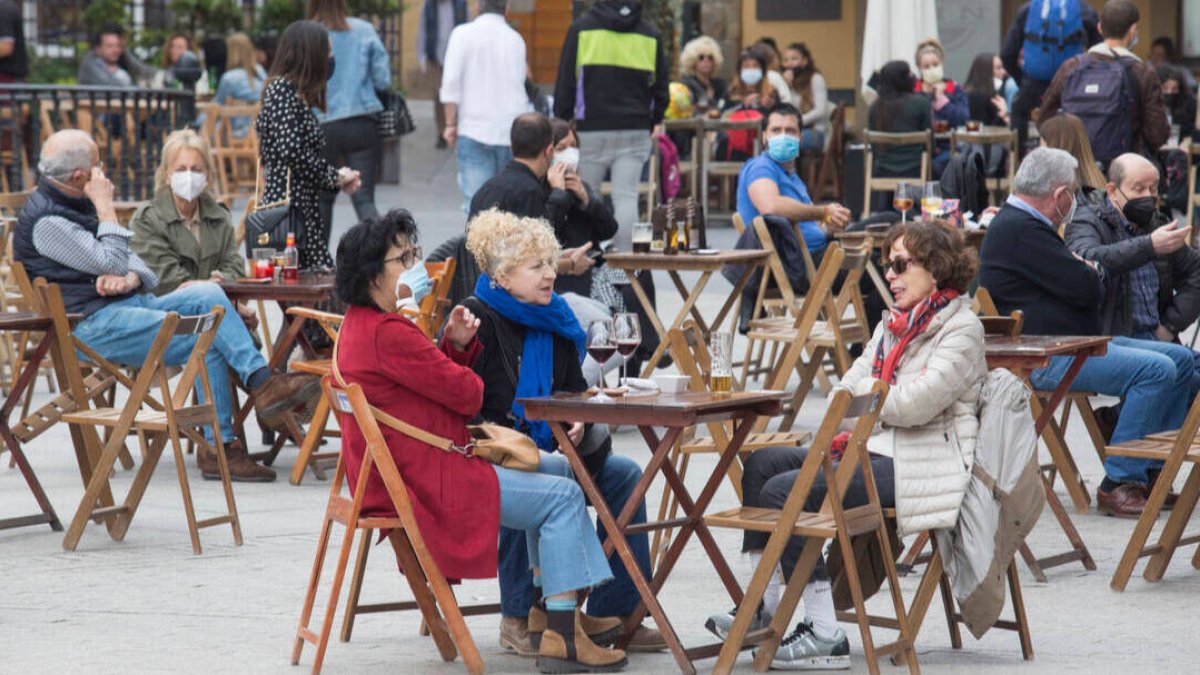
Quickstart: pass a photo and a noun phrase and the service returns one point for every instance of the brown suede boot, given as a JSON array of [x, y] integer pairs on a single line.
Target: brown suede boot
[[242, 469], [281, 393], [601, 630], [565, 648]]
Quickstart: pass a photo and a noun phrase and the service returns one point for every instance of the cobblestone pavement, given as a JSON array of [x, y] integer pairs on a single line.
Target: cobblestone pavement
[[147, 605]]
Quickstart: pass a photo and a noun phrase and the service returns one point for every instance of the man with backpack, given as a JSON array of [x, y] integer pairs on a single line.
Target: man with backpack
[[1043, 36], [1118, 97]]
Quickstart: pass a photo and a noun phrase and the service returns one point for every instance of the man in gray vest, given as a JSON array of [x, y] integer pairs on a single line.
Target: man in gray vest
[[68, 234]]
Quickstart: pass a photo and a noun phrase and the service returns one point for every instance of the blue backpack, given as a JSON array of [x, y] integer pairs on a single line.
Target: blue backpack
[[1053, 33], [1103, 94]]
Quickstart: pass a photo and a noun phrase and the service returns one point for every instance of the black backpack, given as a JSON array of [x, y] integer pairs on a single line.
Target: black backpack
[[1103, 93], [965, 179]]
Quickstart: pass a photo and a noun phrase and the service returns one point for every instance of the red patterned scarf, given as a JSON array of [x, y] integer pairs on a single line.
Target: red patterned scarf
[[907, 325]]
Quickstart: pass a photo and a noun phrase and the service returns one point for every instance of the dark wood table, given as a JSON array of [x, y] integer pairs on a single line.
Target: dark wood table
[[309, 290], [21, 323], [707, 265], [675, 412], [1022, 356]]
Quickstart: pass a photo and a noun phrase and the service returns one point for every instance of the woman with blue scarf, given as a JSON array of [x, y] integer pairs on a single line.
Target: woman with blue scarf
[[533, 346]]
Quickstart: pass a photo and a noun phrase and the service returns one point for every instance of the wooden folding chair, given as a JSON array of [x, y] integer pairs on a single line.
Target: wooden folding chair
[[834, 522], [693, 360], [235, 157], [776, 299], [161, 420], [845, 312], [240, 235], [878, 139], [1173, 448], [433, 596]]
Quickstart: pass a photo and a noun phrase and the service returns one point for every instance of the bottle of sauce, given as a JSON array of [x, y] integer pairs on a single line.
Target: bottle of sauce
[[291, 260]]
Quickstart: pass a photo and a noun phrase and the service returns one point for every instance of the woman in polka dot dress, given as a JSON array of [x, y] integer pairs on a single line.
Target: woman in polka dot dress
[[290, 140]]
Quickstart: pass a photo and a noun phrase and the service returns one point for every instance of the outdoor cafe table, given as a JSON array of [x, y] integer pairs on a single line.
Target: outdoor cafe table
[[308, 291], [1022, 356], [13, 322], [675, 413], [707, 265]]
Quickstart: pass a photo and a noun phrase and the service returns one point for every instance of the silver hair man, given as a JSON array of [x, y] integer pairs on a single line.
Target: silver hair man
[[1044, 170], [66, 152]]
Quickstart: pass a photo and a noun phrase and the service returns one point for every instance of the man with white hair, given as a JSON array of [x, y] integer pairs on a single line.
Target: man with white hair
[[68, 234], [1026, 266]]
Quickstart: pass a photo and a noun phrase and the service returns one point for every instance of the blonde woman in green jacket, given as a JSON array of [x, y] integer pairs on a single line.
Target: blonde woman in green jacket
[[184, 234]]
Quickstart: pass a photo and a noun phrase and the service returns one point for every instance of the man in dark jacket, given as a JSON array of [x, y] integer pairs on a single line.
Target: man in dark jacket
[[1029, 96], [1025, 266], [1149, 124], [612, 81], [1153, 290]]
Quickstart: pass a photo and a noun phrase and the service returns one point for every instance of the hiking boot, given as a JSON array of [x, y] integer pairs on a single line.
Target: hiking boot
[[242, 469], [602, 630], [805, 650], [573, 652], [281, 393], [514, 636], [721, 624]]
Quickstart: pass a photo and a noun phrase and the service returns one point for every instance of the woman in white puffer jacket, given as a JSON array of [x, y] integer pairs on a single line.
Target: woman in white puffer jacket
[[930, 350]]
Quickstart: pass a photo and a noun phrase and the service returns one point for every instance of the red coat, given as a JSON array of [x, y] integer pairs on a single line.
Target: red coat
[[456, 499]]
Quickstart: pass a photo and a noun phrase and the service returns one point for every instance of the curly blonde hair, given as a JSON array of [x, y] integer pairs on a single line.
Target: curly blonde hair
[[500, 240], [696, 48]]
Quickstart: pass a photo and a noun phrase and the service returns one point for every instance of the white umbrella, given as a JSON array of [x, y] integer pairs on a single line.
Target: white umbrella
[[892, 31]]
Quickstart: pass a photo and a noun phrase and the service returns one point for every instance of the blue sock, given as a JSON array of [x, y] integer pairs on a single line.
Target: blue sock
[[560, 605]]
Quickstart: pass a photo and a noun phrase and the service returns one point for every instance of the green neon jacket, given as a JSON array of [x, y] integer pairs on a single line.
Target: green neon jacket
[[613, 74]]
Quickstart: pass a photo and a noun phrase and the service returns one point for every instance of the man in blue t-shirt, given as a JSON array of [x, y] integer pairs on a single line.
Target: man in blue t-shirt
[[768, 183]]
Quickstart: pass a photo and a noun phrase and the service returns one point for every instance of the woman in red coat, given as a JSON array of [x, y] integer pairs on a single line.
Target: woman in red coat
[[459, 502]]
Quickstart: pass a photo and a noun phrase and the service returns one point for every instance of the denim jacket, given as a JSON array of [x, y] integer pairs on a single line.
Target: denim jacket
[[234, 88], [362, 68]]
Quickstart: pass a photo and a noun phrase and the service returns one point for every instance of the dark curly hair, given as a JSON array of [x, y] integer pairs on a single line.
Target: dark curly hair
[[362, 250], [940, 248]]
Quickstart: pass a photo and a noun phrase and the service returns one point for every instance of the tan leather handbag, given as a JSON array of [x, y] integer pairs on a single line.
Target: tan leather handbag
[[495, 443]]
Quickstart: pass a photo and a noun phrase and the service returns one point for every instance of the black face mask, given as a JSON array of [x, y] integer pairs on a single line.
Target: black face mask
[[332, 67], [1170, 100], [1141, 211]]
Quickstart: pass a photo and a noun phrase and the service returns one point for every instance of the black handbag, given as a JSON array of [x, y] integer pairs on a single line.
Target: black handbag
[[395, 120], [268, 225]]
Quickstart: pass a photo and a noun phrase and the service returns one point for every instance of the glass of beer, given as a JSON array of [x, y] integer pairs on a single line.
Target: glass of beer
[[720, 377], [974, 125], [904, 199], [931, 200], [643, 233]]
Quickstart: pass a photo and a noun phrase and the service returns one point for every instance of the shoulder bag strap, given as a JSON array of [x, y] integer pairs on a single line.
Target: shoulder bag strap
[[403, 427], [259, 180]]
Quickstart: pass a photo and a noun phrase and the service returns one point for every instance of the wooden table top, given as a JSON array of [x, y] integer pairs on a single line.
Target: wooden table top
[[309, 289], [683, 409], [688, 262], [23, 321], [1034, 351]]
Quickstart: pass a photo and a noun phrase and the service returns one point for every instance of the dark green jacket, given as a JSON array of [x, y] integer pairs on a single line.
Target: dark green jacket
[[164, 242]]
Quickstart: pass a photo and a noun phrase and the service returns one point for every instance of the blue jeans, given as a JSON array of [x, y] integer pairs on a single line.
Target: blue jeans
[[622, 155], [477, 163], [1195, 388], [616, 481], [1153, 379], [550, 508], [123, 332]]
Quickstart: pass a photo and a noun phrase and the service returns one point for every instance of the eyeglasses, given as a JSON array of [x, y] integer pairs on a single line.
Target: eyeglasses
[[898, 265], [706, 57], [408, 257]]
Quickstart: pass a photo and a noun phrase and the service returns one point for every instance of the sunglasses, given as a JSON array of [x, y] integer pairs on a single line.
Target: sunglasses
[[408, 257], [706, 57], [898, 265]]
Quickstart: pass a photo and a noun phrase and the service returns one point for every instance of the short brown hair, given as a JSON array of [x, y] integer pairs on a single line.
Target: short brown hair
[[940, 248], [303, 60], [331, 13], [1116, 17]]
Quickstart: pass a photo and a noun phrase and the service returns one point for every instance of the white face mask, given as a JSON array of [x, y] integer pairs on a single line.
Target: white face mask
[[569, 156], [187, 185], [933, 74], [998, 84]]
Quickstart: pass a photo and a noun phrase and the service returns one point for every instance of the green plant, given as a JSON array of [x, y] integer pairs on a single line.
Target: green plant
[[372, 8], [275, 15], [101, 13], [51, 70]]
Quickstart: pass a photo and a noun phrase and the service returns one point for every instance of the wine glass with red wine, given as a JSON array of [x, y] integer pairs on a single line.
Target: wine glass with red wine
[[601, 346], [627, 332]]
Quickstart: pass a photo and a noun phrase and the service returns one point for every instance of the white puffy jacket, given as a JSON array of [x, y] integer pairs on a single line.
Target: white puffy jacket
[[930, 421]]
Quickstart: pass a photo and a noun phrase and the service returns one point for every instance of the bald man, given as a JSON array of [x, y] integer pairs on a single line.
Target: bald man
[[68, 234]]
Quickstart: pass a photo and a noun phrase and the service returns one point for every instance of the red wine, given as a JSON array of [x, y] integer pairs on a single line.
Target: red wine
[[602, 353], [627, 347]]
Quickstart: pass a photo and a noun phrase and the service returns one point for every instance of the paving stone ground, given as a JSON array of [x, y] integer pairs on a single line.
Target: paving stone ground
[[148, 605]]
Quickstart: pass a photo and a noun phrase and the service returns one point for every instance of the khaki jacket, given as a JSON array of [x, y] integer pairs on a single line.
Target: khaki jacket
[[164, 242], [929, 423]]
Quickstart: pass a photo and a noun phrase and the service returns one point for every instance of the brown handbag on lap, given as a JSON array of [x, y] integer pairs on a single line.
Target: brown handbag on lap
[[497, 444]]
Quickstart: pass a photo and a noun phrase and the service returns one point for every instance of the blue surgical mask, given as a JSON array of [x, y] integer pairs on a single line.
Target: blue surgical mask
[[751, 76], [783, 148], [417, 280]]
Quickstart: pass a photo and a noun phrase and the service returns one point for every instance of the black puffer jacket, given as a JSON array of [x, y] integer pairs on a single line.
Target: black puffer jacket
[[1097, 234]]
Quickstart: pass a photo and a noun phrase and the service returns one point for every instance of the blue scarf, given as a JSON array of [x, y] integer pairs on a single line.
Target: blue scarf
[[536, 372]]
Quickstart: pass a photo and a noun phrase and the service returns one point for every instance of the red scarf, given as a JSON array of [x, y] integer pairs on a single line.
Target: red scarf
[[907, 326]]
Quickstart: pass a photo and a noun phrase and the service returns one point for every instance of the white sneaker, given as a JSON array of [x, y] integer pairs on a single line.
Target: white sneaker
[[720, 624], [805, 650]]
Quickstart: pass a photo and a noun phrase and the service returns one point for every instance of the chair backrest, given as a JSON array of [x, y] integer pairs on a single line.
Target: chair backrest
[[11, 203], [435, 305], [240, 233], [877, 139], [774, 269], [818, 293], [849, 296], [983, 303], [204, 327], [739, 225], [1004, 326]]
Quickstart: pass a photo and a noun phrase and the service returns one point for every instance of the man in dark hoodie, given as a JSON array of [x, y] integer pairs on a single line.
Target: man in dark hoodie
[[612, 81]]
